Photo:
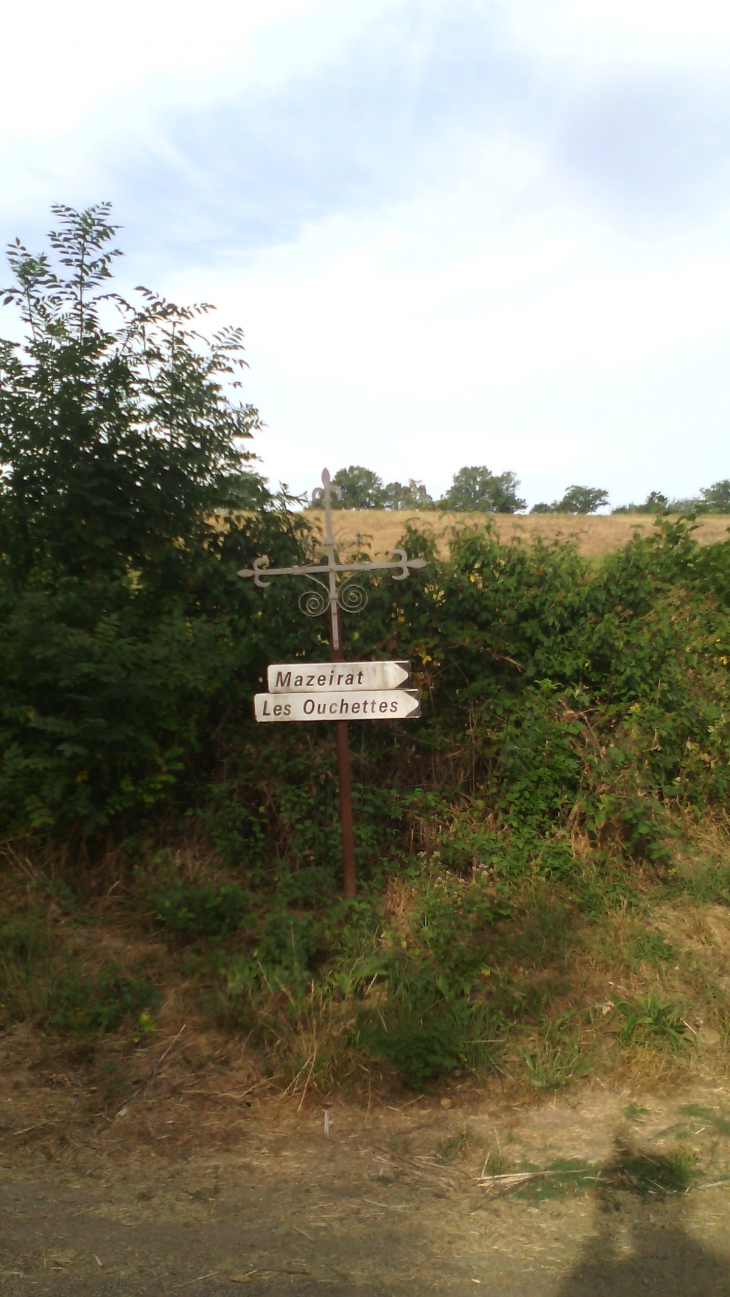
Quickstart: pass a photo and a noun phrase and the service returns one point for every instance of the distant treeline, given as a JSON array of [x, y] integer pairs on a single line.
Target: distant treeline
[[477, 489]]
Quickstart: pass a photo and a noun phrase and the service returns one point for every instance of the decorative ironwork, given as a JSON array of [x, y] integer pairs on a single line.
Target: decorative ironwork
[[337, 593], [351, 597], [314, 602]]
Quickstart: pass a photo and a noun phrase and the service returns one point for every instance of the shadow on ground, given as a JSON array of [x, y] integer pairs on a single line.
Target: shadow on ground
[[662, 1259], [643, 1244]]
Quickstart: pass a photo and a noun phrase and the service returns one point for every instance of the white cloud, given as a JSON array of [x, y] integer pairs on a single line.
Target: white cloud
[[560, 350], [82, 57], [454, 231], [649, 32]]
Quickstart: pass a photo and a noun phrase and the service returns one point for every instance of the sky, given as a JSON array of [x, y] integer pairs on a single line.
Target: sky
[[454, 232]]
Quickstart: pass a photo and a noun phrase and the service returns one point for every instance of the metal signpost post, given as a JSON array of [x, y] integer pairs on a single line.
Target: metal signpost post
[[301, 691]]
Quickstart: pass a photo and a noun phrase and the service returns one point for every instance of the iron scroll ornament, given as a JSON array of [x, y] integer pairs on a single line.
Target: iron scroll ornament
[[401, 568], [347, 595]]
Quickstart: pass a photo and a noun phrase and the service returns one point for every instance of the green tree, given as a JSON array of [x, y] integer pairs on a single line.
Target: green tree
[[581, 499], [691, 504], [479, 490], [123, 452], [412, 496], [361, 488], [716, 498], [118, 444], [655, 502]]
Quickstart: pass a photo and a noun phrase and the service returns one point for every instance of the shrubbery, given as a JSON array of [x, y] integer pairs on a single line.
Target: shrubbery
[[571, 714]]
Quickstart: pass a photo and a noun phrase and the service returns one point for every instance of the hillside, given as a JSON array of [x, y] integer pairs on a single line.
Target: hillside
[[595, 535]]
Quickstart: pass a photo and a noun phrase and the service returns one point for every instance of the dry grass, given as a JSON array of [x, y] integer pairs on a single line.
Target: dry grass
[[379, 530], [303, 1047]]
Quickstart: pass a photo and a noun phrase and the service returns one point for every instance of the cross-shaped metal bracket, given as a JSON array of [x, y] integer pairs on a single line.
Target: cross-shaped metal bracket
[[333, 593]]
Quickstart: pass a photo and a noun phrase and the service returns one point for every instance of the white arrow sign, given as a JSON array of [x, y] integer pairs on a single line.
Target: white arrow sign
[[339, 705], [306, 677]]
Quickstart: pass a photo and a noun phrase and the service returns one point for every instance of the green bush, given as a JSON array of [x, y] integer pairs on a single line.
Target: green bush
[[561, 699], [85, 1004], [427, 1034], [201, 910]]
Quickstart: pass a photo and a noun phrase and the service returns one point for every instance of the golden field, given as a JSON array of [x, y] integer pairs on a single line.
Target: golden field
[[378, 530]]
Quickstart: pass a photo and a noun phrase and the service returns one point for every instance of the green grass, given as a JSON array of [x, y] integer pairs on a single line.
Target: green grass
[[42, 980], [566, 1176], [649, 1174], [557, 1057], [635, 1113], [716, 1121], [429, 974], [652, 948]]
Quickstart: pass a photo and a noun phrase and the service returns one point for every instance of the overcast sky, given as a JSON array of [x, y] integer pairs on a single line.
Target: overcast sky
[[454, 231]]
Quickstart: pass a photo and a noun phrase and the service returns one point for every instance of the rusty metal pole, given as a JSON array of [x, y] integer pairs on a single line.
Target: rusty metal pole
[[344, 780], [343, 744], [316, 603]]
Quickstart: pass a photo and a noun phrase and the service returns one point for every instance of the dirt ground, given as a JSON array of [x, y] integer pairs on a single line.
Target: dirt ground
[[202, 1184]]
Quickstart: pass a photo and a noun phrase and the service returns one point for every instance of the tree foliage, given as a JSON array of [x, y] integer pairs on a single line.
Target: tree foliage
[[482, 491], [412, 495], [119, 432], [716, 498], [582, 499], [123, 445], [361, 488], [577, 499], [655, 502], [711, 499], [129, 650]]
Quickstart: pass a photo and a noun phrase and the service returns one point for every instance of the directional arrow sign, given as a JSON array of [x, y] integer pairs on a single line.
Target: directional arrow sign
[[339, 705], [307, 677]]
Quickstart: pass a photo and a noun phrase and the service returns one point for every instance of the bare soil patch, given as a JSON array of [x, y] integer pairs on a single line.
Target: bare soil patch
[[204, 1183]]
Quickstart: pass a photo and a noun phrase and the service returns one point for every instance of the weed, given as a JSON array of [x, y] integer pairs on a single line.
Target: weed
[[653, 1022], [26, 960], [426, 1035], [708, 883], [23, 939], [652, 948], [495, 1163], [287, 946], [455, 1146], [557, 1058], [723, 1025]]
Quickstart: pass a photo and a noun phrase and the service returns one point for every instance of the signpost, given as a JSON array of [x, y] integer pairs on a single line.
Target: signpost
[[357, 705], [301, 677], [344, 691]]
